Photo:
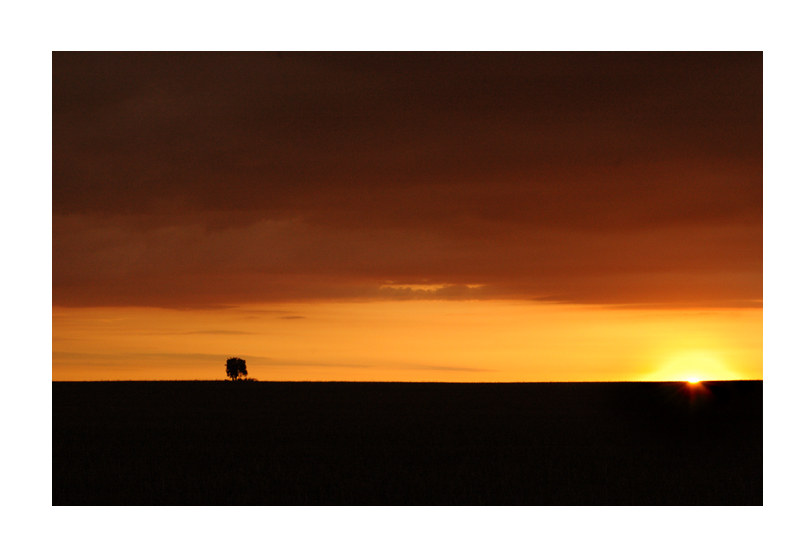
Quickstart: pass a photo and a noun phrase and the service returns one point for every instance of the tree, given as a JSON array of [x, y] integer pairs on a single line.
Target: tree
[[236, 368]]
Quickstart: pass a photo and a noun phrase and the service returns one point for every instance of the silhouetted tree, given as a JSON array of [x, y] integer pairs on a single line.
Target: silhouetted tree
[[236, 368]]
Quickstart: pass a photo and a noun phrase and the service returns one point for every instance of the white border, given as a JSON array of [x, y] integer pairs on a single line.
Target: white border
[[33, 30]]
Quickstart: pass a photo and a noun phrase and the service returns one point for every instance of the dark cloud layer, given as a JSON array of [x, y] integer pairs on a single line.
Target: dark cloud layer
[[190, 179]]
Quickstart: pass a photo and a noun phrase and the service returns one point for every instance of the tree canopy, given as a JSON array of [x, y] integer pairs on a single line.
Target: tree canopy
[[236, 368]]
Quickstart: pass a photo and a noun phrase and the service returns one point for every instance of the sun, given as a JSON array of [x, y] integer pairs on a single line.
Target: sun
[[693, 367]]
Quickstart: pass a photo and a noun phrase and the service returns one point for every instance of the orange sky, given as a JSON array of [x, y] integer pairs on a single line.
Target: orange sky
[[408, 216], [409, 341]]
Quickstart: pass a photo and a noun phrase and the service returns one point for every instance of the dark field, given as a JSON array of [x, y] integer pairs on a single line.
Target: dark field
[[214, 443]]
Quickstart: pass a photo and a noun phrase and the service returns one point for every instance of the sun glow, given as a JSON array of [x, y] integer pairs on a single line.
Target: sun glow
[[693, 367]]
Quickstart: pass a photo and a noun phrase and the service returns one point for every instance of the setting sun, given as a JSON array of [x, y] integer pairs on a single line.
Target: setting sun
[[695, 366]]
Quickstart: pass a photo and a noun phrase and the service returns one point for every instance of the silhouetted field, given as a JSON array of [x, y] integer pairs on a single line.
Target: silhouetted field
[[272, 443]]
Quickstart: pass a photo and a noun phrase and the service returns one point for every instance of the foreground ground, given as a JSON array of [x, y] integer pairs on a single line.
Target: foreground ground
[[398, 443]]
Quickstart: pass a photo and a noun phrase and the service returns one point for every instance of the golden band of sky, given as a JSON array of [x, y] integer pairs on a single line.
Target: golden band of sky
[[448, 341]]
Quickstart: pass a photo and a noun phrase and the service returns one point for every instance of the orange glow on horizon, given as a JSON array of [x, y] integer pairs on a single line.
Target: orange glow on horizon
[[445, 341]]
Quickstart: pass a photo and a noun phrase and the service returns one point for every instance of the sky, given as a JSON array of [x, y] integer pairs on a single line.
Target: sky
[[408, 216]]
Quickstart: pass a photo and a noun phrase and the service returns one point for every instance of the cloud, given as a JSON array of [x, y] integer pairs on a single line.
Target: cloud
[[429, 367], [217, 332], [397, 140], [117, 262], [208, 360], [217, 179]]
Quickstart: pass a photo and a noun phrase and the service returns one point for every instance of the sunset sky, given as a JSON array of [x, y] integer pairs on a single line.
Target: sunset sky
[[408, 217]]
